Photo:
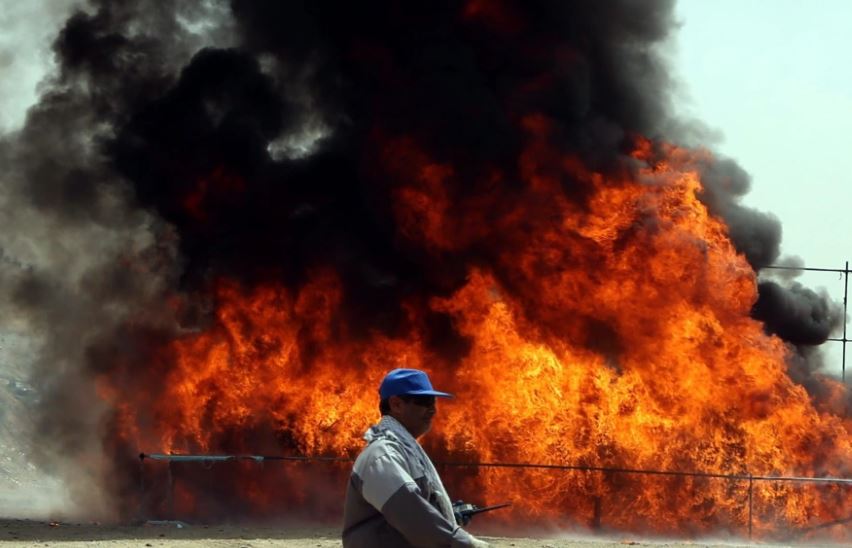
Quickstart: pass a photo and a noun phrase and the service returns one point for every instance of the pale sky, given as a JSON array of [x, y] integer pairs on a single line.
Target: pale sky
[[771, 77]]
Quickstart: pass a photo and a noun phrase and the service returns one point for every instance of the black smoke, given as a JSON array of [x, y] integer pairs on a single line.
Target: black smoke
[[796, 314], [756, 234]]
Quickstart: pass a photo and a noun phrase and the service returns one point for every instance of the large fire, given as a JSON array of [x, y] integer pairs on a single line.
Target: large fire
[[611, 334]]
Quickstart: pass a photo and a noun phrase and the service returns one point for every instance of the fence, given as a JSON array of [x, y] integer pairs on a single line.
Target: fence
[[750, 479], [845, 272]]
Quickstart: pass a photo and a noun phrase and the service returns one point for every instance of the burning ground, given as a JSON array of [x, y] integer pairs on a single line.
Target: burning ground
[[229, 220]]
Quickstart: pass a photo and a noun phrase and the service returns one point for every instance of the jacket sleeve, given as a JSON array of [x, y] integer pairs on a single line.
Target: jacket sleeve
[[388, 487]]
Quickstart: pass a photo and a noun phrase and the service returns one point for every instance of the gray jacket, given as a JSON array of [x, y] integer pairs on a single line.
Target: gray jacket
[[390, 504]]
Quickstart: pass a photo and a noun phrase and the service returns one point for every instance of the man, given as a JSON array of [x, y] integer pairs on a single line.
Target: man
[[395, 498]]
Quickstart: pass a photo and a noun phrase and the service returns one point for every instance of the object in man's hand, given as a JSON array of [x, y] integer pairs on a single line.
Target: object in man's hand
[[464, 511]]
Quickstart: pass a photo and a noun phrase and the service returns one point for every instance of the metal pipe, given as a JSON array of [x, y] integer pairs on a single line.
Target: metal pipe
[[750, 491], [170, 500], [774, 267], [224, 458], [189, 458]]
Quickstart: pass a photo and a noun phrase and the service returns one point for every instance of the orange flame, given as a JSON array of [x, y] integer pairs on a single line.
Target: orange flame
[[610, 331]]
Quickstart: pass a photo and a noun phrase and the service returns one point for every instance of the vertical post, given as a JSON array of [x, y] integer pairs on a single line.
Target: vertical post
[[170, 501], [845, 310], [141, 508], [750, 491], [596, 515]]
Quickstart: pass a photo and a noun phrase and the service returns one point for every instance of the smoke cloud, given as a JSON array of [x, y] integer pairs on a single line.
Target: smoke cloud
[[797, 314]]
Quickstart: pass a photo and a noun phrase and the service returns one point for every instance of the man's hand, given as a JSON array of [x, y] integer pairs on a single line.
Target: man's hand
[[461, 510]]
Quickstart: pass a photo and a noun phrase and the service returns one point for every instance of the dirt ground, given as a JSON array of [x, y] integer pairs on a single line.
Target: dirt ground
[[14, 533]]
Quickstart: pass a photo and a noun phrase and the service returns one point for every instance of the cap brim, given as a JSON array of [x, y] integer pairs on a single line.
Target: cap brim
[[428, 393]]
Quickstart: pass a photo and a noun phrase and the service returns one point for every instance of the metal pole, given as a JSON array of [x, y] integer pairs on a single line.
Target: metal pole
[[750, 491], [170, 501], [596, 516], [598, 501], [845, 311], [140, 511]]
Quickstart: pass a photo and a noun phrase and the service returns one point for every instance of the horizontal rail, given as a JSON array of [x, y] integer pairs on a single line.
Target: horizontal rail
[[809, 269], [222, 458], [614, 470]]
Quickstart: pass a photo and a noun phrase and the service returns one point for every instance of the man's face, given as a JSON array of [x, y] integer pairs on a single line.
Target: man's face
[[415, 413]]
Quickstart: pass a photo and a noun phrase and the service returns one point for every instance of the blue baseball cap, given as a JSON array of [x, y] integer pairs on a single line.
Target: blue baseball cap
[[408, 382]]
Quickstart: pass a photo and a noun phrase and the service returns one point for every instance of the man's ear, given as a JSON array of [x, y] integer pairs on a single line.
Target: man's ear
[[394, 402]]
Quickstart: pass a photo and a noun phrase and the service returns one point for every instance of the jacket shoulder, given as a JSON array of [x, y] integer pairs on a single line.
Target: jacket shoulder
[[384, 447]]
